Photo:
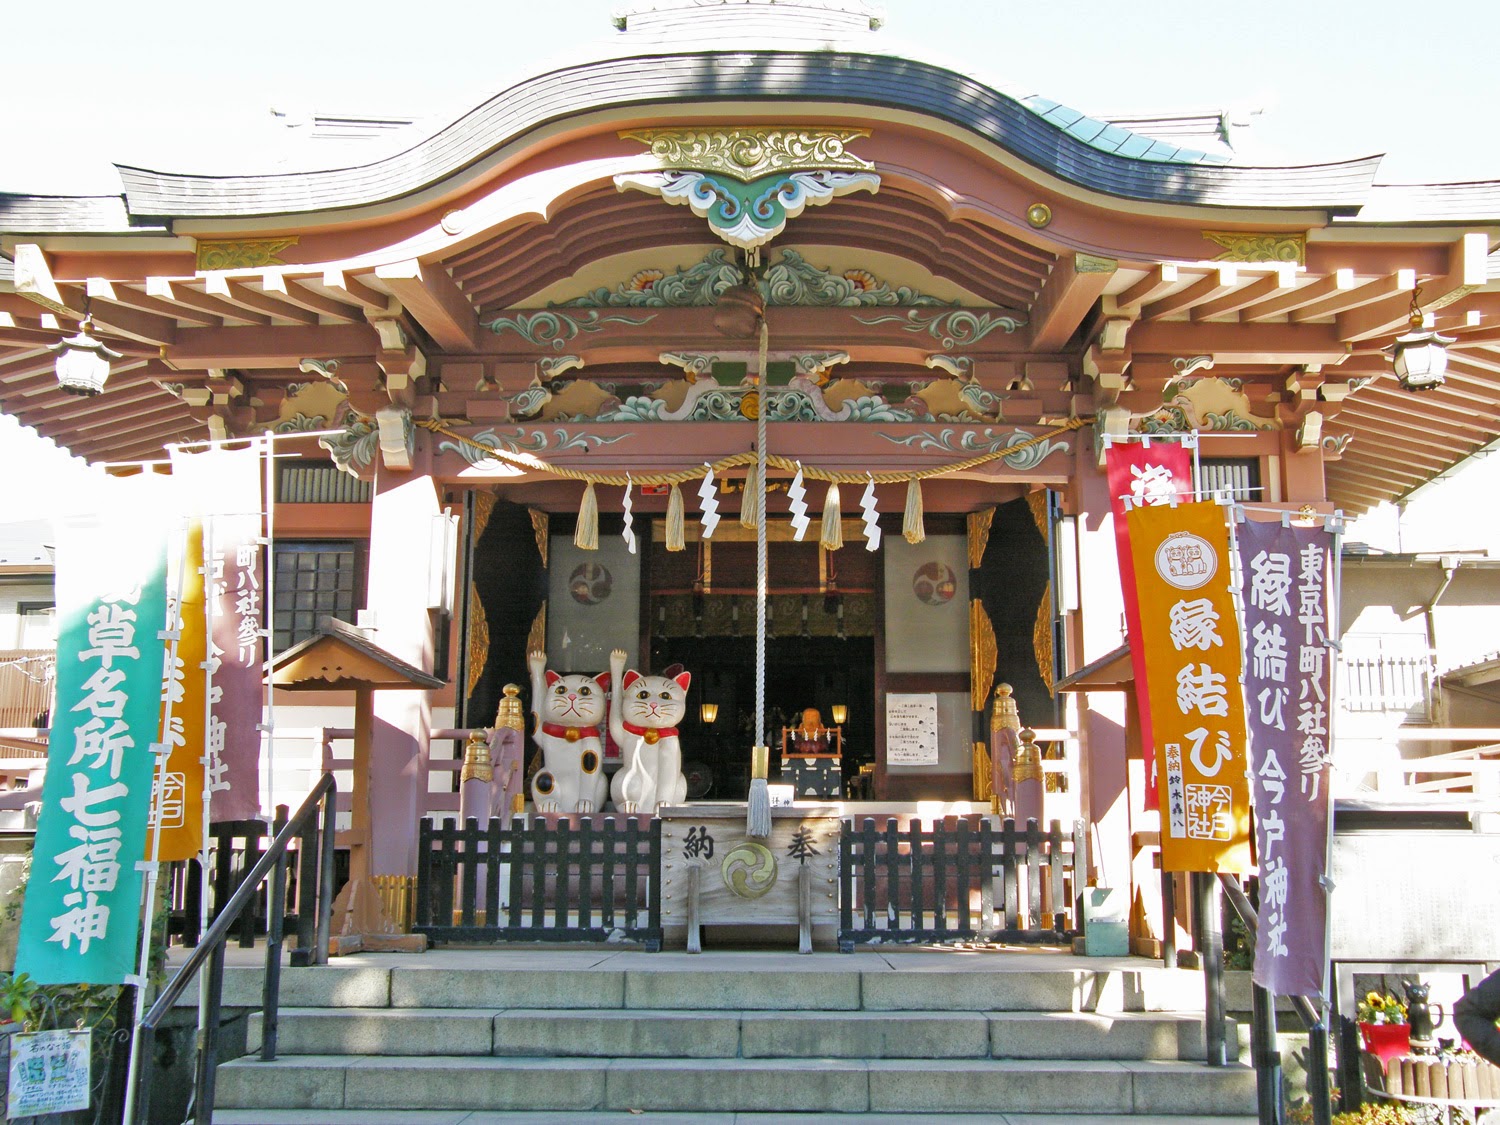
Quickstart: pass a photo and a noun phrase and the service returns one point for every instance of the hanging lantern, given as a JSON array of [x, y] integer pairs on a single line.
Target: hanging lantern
[[1421, 356], [83, 362]]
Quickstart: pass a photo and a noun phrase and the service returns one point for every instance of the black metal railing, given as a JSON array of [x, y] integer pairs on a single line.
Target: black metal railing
[[314, 825], [547, 880], [959, 881], [1264, 1052]]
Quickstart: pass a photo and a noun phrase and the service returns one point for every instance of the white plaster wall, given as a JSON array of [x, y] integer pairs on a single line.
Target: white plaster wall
[[16, 632]]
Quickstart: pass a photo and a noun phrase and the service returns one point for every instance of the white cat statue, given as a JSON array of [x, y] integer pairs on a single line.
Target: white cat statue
[[643, 722], [568, 712]]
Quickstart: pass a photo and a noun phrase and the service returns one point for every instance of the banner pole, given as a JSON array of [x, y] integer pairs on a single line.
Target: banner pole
[[161, 749], [210, 663], [268, 616]]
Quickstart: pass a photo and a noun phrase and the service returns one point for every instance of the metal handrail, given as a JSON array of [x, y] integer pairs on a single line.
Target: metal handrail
[[1266, 1055], [211, 946]]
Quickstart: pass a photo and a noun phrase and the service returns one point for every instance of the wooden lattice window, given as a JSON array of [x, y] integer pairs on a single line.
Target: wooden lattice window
[[314, 579]]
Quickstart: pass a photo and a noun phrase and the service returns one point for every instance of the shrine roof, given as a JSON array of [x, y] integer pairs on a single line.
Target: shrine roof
[[1059, 141]]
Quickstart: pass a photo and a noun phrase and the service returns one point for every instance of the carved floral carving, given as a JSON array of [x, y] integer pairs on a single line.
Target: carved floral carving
[[750, 152]]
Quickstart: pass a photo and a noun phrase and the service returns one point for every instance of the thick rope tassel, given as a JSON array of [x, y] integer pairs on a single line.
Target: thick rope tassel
[[912, 529], [586, 537], [750, 504], [676, 537], [831, 538]]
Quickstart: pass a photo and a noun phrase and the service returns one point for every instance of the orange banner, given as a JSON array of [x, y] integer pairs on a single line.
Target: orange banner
[[181, 802], [1193, 662]]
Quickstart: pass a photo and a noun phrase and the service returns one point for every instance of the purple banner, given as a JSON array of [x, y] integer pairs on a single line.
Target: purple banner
[[226, 485], [1288, 578]]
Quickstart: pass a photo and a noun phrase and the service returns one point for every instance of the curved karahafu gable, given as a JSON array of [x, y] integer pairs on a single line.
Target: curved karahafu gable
[[839, 81]]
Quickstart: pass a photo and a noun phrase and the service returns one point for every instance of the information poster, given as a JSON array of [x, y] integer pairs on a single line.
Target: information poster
[[911, 730], [49, 1073]]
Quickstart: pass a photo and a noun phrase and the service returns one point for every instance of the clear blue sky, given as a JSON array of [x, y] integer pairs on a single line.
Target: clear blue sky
[[111, 80]]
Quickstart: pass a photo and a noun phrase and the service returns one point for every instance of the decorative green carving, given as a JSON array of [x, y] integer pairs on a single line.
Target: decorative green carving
[[984, 441], [959, 328], [354, 449], [301, 423], [555, 328], [791, 281], [749, 214], [522, 440], [753, 151]]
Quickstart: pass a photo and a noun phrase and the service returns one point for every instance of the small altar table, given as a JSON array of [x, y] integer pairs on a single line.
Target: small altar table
[[712, 873]]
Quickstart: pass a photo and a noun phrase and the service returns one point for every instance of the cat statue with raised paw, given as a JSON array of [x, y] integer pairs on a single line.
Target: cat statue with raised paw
[[643, 722], [569, 711]]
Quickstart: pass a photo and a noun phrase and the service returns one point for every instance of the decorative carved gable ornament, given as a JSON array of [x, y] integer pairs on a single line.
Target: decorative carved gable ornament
[[1259, 246], [748, 182]]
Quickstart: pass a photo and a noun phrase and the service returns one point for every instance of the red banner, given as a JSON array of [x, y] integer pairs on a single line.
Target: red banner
[[1145, 473]]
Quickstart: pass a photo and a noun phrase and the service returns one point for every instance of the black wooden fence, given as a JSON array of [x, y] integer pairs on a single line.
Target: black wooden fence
[[959, 881], [562, 878]]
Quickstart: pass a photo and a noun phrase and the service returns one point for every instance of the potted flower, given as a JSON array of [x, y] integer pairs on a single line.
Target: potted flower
[[1383, 1027]]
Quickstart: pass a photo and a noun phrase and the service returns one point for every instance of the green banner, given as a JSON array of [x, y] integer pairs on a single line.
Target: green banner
[[80, 922]]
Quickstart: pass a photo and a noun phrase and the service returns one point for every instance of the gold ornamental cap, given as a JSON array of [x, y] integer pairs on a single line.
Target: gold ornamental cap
[[511, 716]]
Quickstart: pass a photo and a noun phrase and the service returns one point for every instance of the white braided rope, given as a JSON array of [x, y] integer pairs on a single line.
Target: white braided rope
[[760, 544]]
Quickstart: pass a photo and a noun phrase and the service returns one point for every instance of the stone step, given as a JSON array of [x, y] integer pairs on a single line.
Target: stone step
[[829, 983], [813, 1085], [672, 1033]]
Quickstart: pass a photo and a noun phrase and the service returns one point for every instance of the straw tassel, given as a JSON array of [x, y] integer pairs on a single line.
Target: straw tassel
[[912, 529], [676, 538], [831, 537], [750, 504], [586, 537]]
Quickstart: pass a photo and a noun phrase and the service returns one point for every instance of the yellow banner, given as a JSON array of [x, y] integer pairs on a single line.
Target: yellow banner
[[1193, 660], [181, 802]]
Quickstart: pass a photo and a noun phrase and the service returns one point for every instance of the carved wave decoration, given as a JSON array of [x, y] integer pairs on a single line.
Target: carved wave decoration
[[301, 423], [959, 328], [354, 449], [983, 441], [522, 440], [555, 328], [790, 281]]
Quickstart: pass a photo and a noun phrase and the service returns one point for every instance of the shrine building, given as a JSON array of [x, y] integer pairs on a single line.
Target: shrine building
[[514, 373]]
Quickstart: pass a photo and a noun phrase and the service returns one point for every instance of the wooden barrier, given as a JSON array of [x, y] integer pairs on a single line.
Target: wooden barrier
[[959, 881]]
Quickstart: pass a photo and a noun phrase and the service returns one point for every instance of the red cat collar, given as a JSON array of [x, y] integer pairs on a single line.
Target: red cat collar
[[572, 734], [651, 734]]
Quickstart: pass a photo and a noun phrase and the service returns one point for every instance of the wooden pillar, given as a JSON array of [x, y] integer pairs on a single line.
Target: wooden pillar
[[1102, 720], [359, 797], [402, 525]]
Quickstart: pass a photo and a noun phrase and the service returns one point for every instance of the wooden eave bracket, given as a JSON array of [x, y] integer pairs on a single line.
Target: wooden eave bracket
[[435, 301]]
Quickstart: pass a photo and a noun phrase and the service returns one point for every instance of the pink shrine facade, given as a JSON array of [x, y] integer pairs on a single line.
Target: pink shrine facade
[[960, 289]]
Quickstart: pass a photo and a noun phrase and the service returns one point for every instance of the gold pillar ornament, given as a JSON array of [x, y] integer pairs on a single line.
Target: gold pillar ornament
[[984, 654], [1028, 758], [511, 715], [477, 763], [1005, 714]]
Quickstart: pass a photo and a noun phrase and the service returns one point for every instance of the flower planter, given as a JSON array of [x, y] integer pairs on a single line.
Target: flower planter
[[1386, 1041]]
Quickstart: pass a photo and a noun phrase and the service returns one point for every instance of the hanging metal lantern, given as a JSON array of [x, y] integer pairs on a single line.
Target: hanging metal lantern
[[83, 362], [1421, 356]]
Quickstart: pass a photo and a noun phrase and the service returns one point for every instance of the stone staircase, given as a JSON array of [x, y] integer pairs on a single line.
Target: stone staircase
[[910, 1033]]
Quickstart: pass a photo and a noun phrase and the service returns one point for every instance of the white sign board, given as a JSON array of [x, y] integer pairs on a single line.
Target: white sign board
[[49, 1073], [911, 730], [1415, 896]]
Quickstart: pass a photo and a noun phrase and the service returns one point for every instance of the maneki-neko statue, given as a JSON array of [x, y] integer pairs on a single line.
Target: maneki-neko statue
[[569, 710], [643, 722]]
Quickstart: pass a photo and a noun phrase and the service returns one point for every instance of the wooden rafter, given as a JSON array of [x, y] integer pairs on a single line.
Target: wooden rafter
[[1468, 268], [1336, 282], [1402, 281], [184, 295], [239, 293], [1282, 278], [1076, 282], [435, 301], [1218, 281]]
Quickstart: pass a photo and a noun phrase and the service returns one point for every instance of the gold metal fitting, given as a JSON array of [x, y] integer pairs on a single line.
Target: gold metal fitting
[[760, 762]]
